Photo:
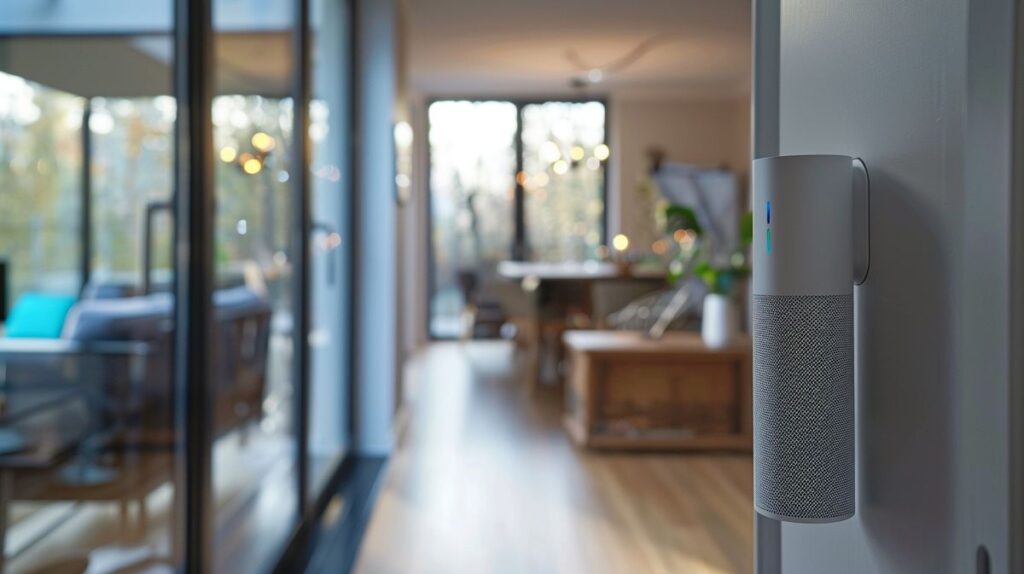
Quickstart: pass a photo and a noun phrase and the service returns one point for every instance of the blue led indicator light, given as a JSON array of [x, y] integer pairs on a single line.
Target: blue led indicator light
[[769, 213]]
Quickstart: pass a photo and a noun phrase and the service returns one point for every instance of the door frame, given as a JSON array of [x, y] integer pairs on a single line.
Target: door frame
[[764, 117], [1017, 297]]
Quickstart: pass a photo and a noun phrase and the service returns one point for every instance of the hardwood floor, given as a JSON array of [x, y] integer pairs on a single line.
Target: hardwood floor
[[485, 481]]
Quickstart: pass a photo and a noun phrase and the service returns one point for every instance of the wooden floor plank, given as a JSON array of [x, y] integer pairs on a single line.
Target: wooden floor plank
[[485, 480]]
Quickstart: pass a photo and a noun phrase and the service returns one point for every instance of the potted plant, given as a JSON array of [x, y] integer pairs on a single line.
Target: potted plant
[[722, 275]]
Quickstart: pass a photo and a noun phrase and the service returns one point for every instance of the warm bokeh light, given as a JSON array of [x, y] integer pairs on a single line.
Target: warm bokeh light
[[530, 283], [252, 166], [262, 141], [659, 247], [403, 134], [620, 242], [228, 154], [549, 152], [522, 178], [685, 238], [100, 122], [601, 152], [560, 167], [577, 153]]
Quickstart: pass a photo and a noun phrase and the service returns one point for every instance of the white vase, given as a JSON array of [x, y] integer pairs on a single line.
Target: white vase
[[720, 323]]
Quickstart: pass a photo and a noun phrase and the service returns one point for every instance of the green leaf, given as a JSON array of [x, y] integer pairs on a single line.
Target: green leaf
[[747, 229], [681, 217]]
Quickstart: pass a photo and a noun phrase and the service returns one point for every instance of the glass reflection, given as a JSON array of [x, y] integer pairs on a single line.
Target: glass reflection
[[87, 430], [254, 451]]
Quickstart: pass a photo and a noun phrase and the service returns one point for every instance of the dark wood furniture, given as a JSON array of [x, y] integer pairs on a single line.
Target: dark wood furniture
[[626, 391], [563, 297]]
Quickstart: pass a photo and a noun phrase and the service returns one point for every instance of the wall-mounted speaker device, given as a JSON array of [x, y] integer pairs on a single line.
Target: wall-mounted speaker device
[[811, 246]]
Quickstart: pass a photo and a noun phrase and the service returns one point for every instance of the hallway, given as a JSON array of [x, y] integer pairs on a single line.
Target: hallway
[[485, 480]]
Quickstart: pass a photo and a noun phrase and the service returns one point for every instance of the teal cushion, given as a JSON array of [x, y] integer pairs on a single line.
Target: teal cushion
[[38, 316]]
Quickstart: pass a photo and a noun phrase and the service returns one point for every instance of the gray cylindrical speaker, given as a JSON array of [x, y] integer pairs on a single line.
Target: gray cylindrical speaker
[[803, 338]]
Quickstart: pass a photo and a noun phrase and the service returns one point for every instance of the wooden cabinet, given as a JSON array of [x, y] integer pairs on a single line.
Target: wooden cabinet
[[629, 392]]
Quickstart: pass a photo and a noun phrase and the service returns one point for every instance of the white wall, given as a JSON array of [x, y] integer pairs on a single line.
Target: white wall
[[887, 81], [415, 272], [709, 133]]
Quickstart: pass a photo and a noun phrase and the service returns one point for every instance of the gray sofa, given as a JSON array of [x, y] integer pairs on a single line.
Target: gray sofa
[[115, 356]]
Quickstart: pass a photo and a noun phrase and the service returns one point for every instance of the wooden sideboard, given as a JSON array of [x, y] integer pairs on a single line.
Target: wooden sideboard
[[626, 391]]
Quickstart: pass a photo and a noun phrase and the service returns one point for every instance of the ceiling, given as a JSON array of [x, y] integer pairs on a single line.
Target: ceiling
[[140, 66], [519, 47]]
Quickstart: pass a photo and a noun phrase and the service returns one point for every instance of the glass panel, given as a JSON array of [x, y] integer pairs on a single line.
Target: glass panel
[[472, 199], [331, 241], [87, 439], [41, 174], [132, 181], [563, 164], [254, 450]]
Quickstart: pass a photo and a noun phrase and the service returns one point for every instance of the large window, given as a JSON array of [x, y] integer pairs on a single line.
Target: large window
[[509, 180], [563, 173]]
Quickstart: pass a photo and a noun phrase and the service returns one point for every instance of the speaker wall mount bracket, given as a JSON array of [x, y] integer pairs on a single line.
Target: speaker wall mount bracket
[[861, 221]]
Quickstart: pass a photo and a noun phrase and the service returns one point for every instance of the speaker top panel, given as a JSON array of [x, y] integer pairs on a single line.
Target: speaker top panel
[[803, 232]]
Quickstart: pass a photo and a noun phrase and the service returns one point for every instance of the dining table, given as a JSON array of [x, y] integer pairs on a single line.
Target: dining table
[[578, 271], [563, 291]]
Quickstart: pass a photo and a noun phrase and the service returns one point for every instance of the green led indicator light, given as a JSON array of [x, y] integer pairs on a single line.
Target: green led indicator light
[[768, 241]]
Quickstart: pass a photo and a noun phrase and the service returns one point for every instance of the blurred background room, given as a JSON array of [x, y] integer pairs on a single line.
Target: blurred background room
[[574, 254], [383, 286]]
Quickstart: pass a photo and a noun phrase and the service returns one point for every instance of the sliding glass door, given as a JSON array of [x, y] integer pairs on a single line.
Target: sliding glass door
[[331, 240], [253, 387], [126, 443]]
